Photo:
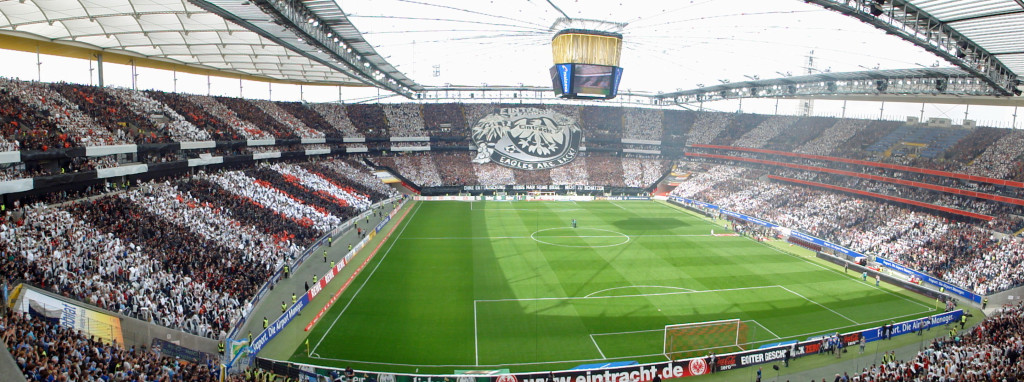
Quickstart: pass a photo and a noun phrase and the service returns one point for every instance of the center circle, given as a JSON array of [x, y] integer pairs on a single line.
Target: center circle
[[580, 237]]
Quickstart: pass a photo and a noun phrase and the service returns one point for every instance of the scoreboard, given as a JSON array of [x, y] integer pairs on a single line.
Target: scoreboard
[[585, 81]]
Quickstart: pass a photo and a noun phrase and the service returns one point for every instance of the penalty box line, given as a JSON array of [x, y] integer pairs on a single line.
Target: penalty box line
[[476, 330]]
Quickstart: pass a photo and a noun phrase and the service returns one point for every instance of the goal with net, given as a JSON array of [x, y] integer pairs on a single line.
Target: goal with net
[[699, 338]]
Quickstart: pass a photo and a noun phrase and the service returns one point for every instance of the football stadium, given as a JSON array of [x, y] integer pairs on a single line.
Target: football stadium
[[511, 191]]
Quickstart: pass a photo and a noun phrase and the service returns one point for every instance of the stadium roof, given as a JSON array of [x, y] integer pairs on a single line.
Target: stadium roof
[[157, 33], [995, 25]]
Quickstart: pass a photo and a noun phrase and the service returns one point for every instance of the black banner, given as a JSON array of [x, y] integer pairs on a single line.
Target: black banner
[[168, 349]]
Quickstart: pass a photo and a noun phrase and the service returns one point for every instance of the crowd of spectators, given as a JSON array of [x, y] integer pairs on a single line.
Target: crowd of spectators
[[160, 115], [368, 119], [833, 137], [106, 111], [26, 125], [219, 112], [209, 243], [293, 124], [337, 116], [959, 252], [45, 351], [1000, 159], [491, 174], [645, 124], [573, 173], [706, 127], [677, 124], [404, 120], [602, 122], [764, 132], [311, 118], [71, 122], [642, 172], [990, 351], [195, 114], [455, 168], [800, 131], [252, 114], [736, 126]]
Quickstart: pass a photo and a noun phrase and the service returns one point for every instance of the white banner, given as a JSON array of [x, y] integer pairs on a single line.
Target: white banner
[[317, 151], [95, 151], [272, 154], [353, 139], [121, 171], [205, 161], [198, 145], [410, 148], [17, 185], [307, 141], [260, 142], [10, 157], [410, 139], [641, 141]]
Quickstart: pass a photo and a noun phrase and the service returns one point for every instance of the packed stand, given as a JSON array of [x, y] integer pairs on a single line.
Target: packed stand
[[72, 122], [643, 124], [738, 125], [605, 170], [602, 123], [25, 127], [990, 351], [160, 115], [308, 116], [368, 119], [573, 174], [800, 131], [764, 132], [248, 111], [196, 115], [210, 241], [446, 120], [1000, 159], [108, 112], [958, 252], [286, 119], [242, 128], [337, 116], [833, 137], [642, 173], [677, 124], [45, 351], [404, 120], [455, 167], [490, 174], [706, 127]]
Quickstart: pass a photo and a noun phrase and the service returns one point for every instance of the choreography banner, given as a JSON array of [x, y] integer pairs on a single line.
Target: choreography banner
[[71, 315]]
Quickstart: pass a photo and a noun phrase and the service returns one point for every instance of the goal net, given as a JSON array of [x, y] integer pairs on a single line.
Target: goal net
[[699, 338]]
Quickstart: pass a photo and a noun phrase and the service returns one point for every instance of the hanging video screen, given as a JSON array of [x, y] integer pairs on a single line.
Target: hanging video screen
[[585, 81]]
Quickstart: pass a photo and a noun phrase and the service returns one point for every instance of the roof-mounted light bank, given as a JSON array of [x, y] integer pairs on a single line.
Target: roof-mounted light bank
[[900, 18]]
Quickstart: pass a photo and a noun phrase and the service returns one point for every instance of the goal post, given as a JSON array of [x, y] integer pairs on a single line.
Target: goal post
[[698, 338]]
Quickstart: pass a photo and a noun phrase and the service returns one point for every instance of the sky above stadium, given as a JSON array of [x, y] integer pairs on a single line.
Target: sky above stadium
[[668, 45]]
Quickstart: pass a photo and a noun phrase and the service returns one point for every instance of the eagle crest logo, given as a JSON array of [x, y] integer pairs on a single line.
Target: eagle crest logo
[[526, 138]]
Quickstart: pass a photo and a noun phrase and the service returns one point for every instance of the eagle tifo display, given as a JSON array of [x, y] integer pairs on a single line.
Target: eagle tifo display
[[526, 138]]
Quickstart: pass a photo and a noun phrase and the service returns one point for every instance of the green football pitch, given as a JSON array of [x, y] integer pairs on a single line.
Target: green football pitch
[[490, 285]]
